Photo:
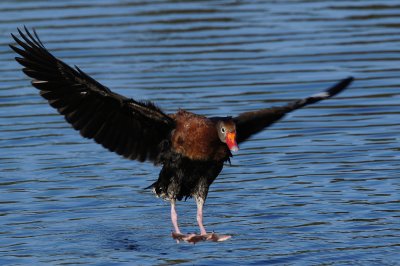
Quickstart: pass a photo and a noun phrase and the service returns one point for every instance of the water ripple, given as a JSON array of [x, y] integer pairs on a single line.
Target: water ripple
[[319, 188]]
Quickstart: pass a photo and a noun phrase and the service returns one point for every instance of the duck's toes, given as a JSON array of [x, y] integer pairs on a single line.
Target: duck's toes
[[217, 238], [178, 236], [194, 238]]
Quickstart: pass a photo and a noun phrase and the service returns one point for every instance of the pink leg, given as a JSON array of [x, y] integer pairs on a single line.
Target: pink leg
[[194, 238], [203, 233], [174, 217], [200, 203], [177, 235]]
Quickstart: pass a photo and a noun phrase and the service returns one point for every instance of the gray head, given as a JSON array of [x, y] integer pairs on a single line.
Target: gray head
[[226, 130]]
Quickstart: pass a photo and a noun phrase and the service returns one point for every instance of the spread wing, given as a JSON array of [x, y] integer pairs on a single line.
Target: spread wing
[[125, 126], [250, 123]]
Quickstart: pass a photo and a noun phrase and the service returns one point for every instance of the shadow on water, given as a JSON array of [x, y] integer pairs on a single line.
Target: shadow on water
[[113, 239]]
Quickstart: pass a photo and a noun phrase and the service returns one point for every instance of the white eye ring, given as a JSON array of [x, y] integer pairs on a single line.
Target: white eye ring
[[222, 129]]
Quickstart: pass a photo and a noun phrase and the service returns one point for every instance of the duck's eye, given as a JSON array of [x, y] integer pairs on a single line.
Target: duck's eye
[[222, 129]]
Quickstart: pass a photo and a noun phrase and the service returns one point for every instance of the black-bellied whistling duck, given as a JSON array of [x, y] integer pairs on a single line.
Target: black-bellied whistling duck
[[191, 148]]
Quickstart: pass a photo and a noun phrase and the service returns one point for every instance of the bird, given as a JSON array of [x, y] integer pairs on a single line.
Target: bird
[[191, 148]]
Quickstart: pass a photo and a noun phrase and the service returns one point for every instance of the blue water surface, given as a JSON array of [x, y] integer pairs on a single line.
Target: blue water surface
[[321, 187]]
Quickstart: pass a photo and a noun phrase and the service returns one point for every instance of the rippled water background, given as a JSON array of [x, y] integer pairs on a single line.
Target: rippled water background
[[319, 188]]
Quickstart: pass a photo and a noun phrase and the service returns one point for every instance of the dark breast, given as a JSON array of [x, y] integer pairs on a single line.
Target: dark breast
[[196, 138]]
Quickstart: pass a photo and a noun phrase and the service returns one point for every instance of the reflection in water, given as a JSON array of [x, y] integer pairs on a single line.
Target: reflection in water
[[320, 186]]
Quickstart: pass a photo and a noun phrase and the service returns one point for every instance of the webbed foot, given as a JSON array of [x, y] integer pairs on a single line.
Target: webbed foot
[[194, 238]]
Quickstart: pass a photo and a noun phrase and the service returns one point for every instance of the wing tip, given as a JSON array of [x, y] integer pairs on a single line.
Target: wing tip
[[26, 39], [340, 86]]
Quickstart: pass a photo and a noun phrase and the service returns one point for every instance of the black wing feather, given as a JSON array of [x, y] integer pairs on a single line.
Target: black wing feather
[[128, 127], [250, 123]]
